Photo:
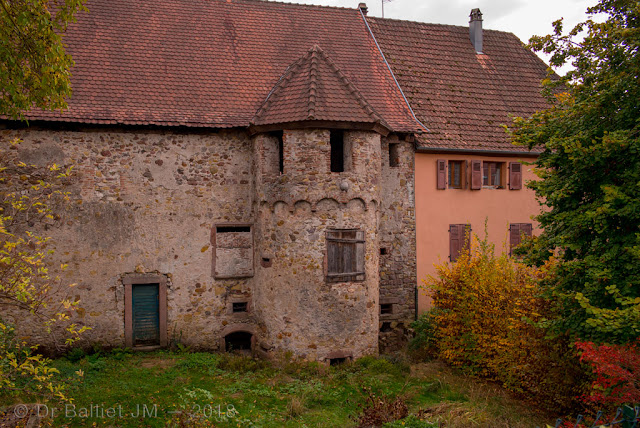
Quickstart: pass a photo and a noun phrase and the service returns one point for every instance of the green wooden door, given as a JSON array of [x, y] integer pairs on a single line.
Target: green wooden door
[[146, 314]]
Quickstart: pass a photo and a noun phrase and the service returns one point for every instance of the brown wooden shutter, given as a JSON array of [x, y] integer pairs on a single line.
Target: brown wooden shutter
[[455, 241], [515, 175], [441, 166], [476, 175], [516, 230], [514, 236], [465, 175], [459, 235]]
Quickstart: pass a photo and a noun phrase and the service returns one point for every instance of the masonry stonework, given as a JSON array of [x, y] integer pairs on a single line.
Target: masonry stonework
[[156, 203]]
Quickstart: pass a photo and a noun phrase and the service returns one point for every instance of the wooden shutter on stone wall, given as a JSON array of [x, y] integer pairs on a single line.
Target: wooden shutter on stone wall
[[441, 169], [458, 240], [345, 255], [515, 175], [476, 175]]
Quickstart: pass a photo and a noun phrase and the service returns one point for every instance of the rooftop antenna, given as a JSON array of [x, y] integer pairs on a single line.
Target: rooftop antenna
[[383, 2]]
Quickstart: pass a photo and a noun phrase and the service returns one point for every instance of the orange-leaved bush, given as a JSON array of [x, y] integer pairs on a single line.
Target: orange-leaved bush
[[486, 307]]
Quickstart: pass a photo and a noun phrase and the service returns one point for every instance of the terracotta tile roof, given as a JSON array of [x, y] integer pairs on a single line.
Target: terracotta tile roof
[[462, 97], [313, 88], [212, 63]]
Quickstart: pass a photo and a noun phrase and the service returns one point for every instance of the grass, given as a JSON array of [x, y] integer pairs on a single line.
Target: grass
[[122, 389]]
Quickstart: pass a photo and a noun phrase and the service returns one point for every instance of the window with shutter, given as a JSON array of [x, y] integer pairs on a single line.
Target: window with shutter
[[476, 175], [459, 235], [456, 174], [516, 232], [492, 174], [441, 170], [345, 255], [515, 175]]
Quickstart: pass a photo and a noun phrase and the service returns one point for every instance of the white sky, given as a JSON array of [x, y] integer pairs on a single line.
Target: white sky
[[524, 18]]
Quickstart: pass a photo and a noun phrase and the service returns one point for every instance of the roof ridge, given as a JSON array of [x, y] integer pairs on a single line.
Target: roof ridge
[[435, 24]]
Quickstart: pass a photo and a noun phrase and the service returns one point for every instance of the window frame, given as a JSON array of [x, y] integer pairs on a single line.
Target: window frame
[[500, 167], [359, 247], [214, 233], [462, 173]]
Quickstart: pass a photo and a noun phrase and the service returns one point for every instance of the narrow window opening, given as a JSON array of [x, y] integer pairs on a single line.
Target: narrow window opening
[[394, 155], [337, 361], [280, 137], [337, 151], [233, 229], [386, 308], [238, 341], [239, 307], [386, 327], [266, 259], [383, 251]]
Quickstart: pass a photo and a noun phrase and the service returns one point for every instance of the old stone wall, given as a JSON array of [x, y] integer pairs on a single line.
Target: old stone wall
[[210, 217], [145, 201], [299, 306], [397, 244]]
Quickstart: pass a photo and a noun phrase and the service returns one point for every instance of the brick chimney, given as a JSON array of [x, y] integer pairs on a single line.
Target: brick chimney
[[363, 7], [475, 29]]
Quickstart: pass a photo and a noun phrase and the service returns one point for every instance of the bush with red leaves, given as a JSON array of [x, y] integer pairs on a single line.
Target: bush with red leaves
[[617, 373]]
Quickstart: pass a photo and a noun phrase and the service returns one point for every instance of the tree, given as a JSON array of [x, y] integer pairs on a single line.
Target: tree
[[34, 72], [589, 172], [34, 68]]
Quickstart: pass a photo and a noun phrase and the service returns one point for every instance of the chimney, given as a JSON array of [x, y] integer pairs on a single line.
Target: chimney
[[363, 7], [475, 29]]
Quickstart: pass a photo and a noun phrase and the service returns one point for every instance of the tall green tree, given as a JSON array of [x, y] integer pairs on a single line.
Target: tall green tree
[[34, 67], [589, 173]]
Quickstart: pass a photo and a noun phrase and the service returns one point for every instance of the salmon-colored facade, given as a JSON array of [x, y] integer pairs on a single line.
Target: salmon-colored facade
[[437, 209]]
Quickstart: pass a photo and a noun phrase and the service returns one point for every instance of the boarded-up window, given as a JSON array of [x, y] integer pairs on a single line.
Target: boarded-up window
[[345, 255], [233, 251], [515, 175], [476, 175], [459, 235], [441, 169], [516, 232]]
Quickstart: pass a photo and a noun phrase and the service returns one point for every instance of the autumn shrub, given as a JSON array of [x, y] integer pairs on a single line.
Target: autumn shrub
[[617, 374], [487, 310]]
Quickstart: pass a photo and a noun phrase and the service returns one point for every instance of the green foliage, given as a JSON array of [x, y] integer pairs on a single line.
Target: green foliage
[[425, 338], [35, 70], [410, 422], [76, 354], [589, 173], [29, 200], [487, 307]]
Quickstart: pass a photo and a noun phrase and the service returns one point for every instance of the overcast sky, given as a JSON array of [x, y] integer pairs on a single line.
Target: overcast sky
[[524, 18]]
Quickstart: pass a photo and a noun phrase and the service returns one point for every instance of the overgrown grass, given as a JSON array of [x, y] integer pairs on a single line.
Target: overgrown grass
[[200, 389]]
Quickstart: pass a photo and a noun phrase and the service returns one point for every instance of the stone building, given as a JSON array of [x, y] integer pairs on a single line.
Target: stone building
[[244, 177]]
